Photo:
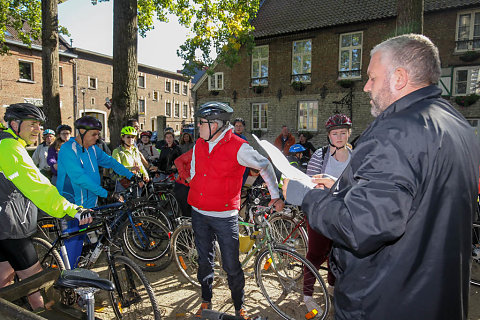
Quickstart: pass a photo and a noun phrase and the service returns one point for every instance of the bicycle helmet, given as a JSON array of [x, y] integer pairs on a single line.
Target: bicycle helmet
[[146, 134], [24, 111], [168, 129], [88, 123], [63, 127], [239, 120], [128, 131], [297, 148], [48, 131], [214, 110], [338, 121]]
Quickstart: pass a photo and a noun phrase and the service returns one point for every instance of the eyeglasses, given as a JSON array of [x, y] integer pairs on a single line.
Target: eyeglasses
[[202, 122]]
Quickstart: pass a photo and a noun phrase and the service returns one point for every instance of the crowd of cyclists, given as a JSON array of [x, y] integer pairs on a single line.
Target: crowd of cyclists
[[64, 178]]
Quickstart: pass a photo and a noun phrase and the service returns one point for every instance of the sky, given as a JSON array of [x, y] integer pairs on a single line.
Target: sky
[[91, 28]]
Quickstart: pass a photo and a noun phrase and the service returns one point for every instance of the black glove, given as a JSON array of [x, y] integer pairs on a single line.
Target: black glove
[[114, 197], [83, 214], [136, 178]]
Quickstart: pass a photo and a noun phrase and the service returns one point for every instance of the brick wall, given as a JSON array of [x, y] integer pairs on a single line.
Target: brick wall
[[282, 99]]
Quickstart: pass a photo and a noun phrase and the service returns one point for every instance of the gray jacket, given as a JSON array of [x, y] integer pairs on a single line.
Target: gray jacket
[[401, 221]]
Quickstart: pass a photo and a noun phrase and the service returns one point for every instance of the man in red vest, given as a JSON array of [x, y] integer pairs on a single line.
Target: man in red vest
[[218, 162]]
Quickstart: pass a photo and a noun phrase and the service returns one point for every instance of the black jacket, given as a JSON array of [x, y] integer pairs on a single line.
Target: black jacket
[[401, 220]]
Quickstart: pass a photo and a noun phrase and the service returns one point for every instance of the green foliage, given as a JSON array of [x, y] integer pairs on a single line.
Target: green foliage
[[24, 16], [467, 100]]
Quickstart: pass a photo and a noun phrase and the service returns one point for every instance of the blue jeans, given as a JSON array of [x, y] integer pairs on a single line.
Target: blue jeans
[[225, 231]]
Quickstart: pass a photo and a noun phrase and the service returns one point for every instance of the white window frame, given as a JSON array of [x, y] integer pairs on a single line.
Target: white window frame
[[216, 85], [307, 77], [185, 111], [469, 79], [32, 74], [144, 105], [257, 79], [96, 83], [350, 49], [175, 84], [144, 76], [310, 125], [261, 116], [192, 112], [168, 114], [60, 76], [155, 92], [185, 89], [471, 27], [168, 81], [175, 113]]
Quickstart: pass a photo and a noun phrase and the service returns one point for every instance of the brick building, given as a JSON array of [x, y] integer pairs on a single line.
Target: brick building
[[311, 58], [86, 81]]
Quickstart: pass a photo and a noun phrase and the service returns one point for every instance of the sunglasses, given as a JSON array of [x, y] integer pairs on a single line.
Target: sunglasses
[[202, 122]]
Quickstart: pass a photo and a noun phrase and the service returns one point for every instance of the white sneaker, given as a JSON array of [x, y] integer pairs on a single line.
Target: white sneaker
[[311, 304]]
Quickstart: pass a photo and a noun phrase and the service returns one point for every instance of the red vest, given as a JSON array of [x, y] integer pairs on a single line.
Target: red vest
[[217, 183]]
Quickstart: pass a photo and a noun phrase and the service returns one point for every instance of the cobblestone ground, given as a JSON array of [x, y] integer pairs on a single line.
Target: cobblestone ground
[[178, 299]]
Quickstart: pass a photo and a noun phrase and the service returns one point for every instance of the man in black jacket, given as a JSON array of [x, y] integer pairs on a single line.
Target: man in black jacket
[[401, 218]]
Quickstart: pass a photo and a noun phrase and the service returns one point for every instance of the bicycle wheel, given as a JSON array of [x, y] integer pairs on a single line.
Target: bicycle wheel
[[147, 242], [46, 228], [289, 231], [150, 210], [133, 296], [51, 260], [186, 256], [280, 277], [475, 271]]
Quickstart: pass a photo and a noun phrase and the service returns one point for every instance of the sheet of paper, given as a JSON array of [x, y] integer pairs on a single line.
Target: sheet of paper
[[282, 164]]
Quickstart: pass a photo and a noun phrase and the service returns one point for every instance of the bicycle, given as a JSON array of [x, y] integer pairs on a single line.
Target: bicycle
[[475, 270], [133, 296], [278, 269], [145, 239]]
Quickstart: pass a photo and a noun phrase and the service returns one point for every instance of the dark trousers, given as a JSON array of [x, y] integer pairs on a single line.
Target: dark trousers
[[181, 194], [319, 247], [225, 231]]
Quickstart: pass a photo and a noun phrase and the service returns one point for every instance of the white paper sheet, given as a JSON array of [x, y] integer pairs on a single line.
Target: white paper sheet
[[282, 164]]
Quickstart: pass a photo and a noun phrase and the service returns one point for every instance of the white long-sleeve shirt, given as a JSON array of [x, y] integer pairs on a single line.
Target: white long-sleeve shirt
[[248, 157]]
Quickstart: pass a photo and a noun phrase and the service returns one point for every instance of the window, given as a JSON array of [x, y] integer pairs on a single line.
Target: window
[[215, 81], [468, 31], [141, 126], [185, 110], [302, 61], [260, 66], [168, 86], [141, 105], [92, 101], [155, 95], [259, 116], [92, 83], [141, 80], [153, 123], [307, 115], [168, 109], [185, 89], [26, 70], [176, 113], [60, 76], [466, 81], [350, 55], [176, 88]]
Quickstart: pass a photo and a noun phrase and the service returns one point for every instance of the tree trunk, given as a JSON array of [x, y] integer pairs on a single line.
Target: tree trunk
[[125, 67], [50, 72], [409, 16]]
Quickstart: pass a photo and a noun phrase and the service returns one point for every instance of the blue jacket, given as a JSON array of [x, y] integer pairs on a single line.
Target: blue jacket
[[78, 174]]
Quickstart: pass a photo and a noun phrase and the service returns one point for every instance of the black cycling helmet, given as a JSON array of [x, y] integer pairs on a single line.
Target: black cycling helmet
[[62, 127], [214, 110], [88, 123], [24, 111], [239, 120], [168, 129]]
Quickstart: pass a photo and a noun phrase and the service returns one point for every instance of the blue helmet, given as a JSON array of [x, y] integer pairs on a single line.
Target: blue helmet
[[297, 148], [48, 131]]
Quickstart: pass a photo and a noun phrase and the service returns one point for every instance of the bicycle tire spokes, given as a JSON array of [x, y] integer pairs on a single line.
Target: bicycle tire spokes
[[475, 270]]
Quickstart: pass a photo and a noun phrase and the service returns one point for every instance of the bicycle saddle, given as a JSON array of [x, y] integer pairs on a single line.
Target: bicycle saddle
[[79, 277]]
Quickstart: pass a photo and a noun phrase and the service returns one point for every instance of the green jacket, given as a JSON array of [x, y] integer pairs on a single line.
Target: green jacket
[[22, 189]]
